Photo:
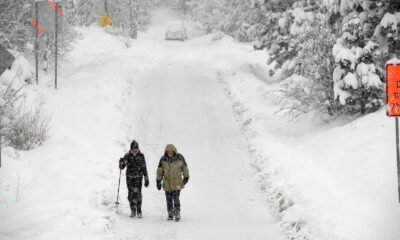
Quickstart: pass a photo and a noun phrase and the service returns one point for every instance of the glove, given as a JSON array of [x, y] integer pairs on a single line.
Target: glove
[[185, 180], [146, 183], [121, 163], [158, 184]]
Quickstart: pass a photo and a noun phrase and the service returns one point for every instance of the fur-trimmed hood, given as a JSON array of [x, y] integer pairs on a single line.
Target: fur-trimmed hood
[[171, 147]]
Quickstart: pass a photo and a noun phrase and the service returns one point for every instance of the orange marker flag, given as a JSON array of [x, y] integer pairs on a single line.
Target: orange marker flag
[[34, 23], [53, 5]]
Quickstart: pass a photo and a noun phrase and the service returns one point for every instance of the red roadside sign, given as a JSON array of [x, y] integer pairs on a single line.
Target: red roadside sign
[[393, 104], [393, 90]]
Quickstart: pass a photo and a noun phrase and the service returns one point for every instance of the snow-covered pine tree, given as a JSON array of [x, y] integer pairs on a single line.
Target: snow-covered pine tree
[[360, 54], [314, 62], [366, 32], [15, 28]]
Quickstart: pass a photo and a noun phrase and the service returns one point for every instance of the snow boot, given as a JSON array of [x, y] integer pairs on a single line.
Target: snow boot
[[139, 213], [170, 216], [177, 216], [133, 213]]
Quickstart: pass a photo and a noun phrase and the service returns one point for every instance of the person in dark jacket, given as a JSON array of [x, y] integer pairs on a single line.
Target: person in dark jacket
[[136, 171], [173, 172]]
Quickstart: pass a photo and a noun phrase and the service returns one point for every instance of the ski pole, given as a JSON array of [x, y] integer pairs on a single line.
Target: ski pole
[[119, 183]]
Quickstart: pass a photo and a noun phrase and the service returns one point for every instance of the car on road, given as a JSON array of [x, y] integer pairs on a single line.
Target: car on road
[[176, 31]]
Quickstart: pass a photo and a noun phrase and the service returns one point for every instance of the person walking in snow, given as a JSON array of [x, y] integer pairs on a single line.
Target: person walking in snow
[[173, 174], [136, 171]]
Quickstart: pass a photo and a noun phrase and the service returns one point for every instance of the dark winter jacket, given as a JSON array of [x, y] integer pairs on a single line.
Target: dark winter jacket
[[135, 166], [172, 171]]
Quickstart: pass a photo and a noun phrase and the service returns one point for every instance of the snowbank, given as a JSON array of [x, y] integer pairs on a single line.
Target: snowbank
[[62, 190], [336, 181]]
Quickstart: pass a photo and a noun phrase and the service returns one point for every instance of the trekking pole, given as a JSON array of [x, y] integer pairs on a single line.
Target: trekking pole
[[119, 183]]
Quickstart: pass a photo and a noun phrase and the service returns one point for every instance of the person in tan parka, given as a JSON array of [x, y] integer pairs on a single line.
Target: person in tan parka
[[173, 173]]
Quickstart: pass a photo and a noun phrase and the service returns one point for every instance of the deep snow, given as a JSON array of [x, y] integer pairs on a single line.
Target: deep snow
[[331, 181], [157, 93]]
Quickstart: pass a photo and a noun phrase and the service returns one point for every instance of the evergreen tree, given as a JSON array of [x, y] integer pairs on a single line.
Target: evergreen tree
[[366, 35], [15, 28]]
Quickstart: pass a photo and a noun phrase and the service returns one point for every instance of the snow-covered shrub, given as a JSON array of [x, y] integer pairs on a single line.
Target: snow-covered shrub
[[20, 127], [30, 128], [9, 97], [22, 68]]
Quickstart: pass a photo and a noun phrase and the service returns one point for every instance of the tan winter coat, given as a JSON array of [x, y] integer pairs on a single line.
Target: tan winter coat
[[172, 170]]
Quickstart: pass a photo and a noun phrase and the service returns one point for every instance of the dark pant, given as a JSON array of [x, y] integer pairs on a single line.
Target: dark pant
[[135, 193], [173, 202]]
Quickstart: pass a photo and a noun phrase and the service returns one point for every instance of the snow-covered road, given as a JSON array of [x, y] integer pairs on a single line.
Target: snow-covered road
[[182, 103], [179, 100], [156, 92]]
